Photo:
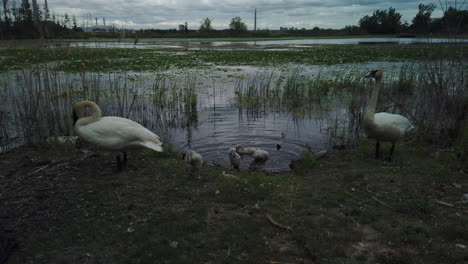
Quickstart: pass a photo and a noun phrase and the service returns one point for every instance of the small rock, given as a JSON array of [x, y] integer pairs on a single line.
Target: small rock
[[320, 154], [283, 249], [460, 245], [465, 196], [62, 140], [130, 230], [456, 185], [174, 244], [339, 146]]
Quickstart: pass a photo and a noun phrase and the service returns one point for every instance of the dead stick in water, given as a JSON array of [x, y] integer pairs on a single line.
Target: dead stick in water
[[273, 222]]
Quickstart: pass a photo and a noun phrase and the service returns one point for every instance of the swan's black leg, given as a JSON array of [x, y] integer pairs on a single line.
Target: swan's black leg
[[377, 146], [119, 163], [391, 152], [125, 157]]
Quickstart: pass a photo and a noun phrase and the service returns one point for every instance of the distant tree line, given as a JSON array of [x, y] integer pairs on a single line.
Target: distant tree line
[[25, 19], [453, 21], [28, 19]]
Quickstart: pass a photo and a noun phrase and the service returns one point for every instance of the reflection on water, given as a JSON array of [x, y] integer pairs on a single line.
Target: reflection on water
[[225, 127]]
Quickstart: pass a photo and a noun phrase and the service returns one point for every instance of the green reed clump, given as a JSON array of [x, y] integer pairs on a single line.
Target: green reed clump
[[297, 92], [257, 92], [37, 102]]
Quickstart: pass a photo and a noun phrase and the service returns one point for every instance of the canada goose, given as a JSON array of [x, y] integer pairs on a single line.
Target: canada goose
[[112, 133], [193, 162], [235, 158], [383, 126]]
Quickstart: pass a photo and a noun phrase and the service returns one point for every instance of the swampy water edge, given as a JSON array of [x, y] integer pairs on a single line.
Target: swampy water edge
[[346, 208], [211, 100]]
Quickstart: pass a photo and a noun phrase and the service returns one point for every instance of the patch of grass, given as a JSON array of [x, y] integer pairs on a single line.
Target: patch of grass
[[344, 209]]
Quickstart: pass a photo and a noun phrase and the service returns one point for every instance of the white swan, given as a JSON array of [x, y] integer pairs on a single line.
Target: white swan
[[261, 155], [193, 162], [235, 158], [383, 126], [245, 150], [112, 133]]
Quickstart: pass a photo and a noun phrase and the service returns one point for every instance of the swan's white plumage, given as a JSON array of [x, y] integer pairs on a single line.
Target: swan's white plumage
[[383, 126], [261, 154], [245, 150], [388, 127], [193, 161], [114, 133], [235, 158]]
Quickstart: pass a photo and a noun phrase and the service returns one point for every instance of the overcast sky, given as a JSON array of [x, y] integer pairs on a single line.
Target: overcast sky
[[271, 14]]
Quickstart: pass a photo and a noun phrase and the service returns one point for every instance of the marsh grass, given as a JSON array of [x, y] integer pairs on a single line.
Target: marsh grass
[[37, 99], [154, 212], [431, 94], [37, 103]]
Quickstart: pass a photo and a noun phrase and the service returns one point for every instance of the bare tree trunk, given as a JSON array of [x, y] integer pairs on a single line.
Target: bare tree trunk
[[5, 10], [37, 20]]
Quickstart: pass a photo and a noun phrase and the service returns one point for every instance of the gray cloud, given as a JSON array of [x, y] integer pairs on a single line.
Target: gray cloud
[[271, 14]]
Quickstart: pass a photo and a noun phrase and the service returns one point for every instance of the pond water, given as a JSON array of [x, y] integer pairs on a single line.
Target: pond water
[[262, 44], [217, 122]]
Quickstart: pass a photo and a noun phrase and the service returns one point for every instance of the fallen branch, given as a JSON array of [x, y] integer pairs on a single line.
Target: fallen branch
[[73, 168], [444, 203], [382, 203], [273, 222], [117, 194], [373, 198], [38, 170]]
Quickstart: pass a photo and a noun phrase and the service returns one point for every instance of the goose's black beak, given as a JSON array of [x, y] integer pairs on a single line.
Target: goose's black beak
[[75, 117]]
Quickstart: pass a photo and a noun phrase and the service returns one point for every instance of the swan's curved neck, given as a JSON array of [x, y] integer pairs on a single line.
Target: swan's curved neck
[[79, 113], [374, 97]]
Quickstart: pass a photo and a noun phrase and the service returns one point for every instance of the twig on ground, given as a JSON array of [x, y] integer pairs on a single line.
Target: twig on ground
[[382, 203], [373, 198], [38, 170], [73, 168], [444, 203], [117, 194], [273, 222]]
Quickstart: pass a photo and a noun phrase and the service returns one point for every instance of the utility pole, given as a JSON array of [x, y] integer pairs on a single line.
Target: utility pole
[[255, 20]]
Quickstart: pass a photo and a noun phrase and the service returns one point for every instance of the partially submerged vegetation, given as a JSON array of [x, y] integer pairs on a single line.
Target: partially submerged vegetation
[[104, 60]]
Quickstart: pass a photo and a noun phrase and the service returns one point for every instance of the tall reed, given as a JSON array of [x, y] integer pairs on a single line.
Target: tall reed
[[37, 102]]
